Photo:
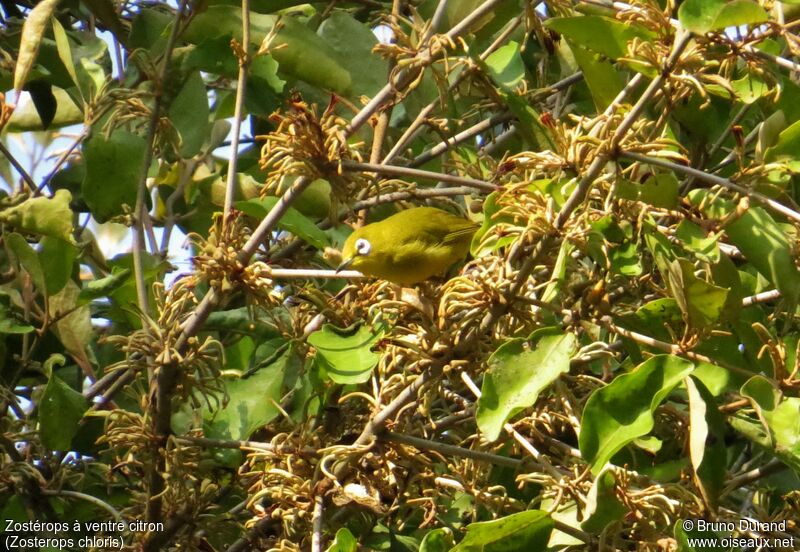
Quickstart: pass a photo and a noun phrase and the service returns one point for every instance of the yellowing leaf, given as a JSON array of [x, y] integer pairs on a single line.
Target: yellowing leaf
[[32, 33]]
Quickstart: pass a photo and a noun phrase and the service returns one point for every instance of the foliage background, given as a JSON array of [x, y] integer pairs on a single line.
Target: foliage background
[[618, 354]]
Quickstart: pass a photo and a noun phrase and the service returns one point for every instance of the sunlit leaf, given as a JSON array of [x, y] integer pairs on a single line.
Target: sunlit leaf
[[517, 373], [521, 532], [599, 34], [32, 32], [623, 410], [702, 16], [345, 357]]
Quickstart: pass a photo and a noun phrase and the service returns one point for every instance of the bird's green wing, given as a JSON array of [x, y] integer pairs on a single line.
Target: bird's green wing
[[463, 233], [442, 228]]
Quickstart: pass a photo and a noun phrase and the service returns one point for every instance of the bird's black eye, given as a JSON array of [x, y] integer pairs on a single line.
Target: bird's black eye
[[363, 247]]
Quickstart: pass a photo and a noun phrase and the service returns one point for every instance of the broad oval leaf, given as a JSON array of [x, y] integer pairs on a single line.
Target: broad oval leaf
[[299, 51], [786, 148], [623, 410], [113, 171], [599, 34], [505, 66], [32, 32], [346, 358], [702, 16], [251, 402], [47, 216], [189, 114], [516, 376], [57, 259], [60, 410], [521, 532], [762, 241]]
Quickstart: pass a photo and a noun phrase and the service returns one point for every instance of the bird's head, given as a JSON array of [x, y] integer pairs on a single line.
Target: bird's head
[[356, 250]]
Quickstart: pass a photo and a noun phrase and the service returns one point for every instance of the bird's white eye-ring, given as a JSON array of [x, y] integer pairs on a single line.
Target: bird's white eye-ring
[[363, 247]]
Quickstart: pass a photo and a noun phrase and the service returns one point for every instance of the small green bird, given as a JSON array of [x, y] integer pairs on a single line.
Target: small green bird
[[410, 246]]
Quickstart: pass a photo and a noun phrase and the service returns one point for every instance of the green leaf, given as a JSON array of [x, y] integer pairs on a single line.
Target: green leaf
[[659, 190], [27, 258], [32, 32], [762, 241], [60, 410], [602, 505], [344, 542], [529, 123], [437, 540], [707, 430], [779, 415], [786, 148], [74, 325], [26, 118], [299, 51], [491, 217], [113, 171], [695, 240], [189, 114], [702, 16], [65, 51], [43, 215], [252, 402], [103, 287], [292, 221], [149, 29], [57, 258], [9, 324], [516, 376], [346, 358], [625, 259], [350, 43], [750, 88], [603, 35], [505, 66], [521, 532], [314, 202], [601, 77], [623, 410], [702, 303]]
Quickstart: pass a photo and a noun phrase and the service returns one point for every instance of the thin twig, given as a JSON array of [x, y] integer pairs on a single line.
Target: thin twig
[[20, 169], [292, 273], [404, 78], [86, 497], [763, 297], [316, 523], [671, 347], [741, 480], [417, 173], [245, 445], [462, 136], [453, 450], [516, 435], [238, 113], [161, 386], [61, 160], [714, 179]]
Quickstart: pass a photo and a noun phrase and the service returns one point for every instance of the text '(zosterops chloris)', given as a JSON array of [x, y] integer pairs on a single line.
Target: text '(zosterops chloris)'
[[410, 246]]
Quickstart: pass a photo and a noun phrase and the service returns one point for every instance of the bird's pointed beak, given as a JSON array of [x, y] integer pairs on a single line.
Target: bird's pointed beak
[[345, 264]]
